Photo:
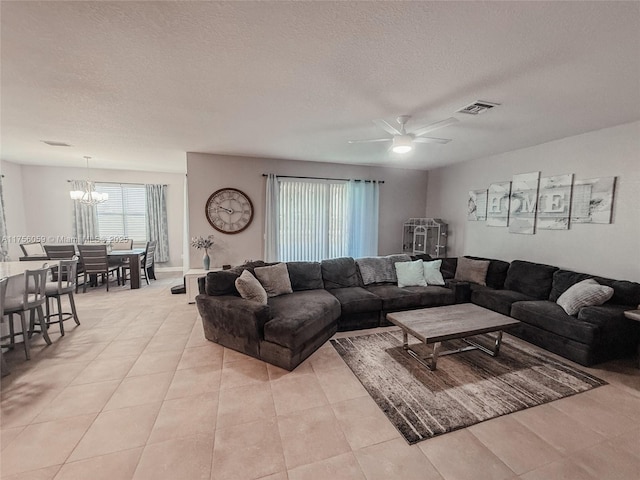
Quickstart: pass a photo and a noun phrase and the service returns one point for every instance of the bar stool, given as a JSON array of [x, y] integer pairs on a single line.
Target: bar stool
[[4, 369], [30, 301], [65, 285]]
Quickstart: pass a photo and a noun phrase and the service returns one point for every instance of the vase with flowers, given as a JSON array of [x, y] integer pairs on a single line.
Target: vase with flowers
[[202, 243]]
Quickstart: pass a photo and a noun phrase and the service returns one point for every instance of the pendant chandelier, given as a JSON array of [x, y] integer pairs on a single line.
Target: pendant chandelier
[[88, 196]]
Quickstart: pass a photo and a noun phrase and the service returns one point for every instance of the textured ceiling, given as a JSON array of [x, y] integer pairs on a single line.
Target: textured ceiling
[[137, 84]]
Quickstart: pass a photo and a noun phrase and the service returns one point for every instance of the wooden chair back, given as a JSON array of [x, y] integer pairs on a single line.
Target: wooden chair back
[[67, 275], [34, 249], [35, 284], [94, 258], [149, 254], [60, 252], [126, 244]]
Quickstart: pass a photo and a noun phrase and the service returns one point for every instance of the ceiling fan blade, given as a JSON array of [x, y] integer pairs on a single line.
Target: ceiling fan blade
[[371, 141], [431, 140], [387, 127], [434, 126]]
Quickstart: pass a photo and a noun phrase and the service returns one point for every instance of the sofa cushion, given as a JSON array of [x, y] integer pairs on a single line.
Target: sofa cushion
[[410, 274], [586, 293], [434, 296], [532, 279], [395, 298], [474, 271], [496, 273], [356, 300], [250, 288], [497, 300], [562, 280], [380, 269], [339, 273], [624, 292], [298, 317], [551, 317], [305, 275], [223, 282], [432, 273], [448, 267], [274, 279]]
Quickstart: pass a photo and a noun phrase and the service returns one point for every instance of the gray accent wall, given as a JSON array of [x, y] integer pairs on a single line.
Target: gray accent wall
[[403, 195], [611, 250]]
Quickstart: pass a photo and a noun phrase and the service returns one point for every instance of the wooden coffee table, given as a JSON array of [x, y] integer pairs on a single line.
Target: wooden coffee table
[[435, 325]]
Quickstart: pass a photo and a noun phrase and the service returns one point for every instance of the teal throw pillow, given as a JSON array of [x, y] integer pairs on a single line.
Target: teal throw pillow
[[410, 274], [432, 274]]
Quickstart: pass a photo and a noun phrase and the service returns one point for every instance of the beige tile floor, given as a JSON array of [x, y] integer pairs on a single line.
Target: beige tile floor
[[136, 392]]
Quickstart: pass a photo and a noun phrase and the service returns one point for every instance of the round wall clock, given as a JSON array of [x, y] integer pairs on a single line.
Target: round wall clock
[[229, 210]]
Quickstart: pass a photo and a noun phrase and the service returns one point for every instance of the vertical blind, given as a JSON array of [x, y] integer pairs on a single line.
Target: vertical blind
[[313, 217], [124, 214]]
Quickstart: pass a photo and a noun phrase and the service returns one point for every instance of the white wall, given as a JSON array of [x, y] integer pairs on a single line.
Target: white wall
[[609, 250], [403, 195], [42, 199], [12, 195]]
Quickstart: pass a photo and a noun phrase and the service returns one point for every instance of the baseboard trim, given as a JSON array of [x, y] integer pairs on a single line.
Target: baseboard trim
[[169, 269]]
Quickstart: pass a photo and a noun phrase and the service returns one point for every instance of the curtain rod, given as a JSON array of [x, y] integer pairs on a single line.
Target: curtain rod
[[324, 178], [125, 183]]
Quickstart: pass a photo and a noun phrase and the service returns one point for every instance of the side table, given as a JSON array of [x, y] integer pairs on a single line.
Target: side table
[[191, 281], [634, 315]]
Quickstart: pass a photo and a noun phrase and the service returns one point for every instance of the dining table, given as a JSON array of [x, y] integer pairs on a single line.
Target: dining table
[[133, 257]]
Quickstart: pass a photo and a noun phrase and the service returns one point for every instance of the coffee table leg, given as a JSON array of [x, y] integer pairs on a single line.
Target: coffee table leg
[[431, 361], [493, 352], [405, 341]]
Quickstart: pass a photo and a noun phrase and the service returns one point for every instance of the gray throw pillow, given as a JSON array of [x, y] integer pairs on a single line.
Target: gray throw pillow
[[274, 279], [474, 271], [587, 293], [250, 288]]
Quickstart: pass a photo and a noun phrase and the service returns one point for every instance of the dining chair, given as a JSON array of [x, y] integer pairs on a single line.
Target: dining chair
[[30, 300], [34, 249], [96, 262], [65, 285], [147, 264], [64, 252], [4, 369], [125, 244]]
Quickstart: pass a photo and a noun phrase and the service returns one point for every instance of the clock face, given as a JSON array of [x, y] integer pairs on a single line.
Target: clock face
[[229, 210]]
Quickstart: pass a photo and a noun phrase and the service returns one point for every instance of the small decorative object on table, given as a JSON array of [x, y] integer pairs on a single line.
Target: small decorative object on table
[[205, 244]]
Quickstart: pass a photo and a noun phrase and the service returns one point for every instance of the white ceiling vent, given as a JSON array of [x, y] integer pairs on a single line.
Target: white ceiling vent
[[478, 107], [53, 143]]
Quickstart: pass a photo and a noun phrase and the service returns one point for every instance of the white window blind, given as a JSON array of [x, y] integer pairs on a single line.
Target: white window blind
[[313, 220], [124, 214]]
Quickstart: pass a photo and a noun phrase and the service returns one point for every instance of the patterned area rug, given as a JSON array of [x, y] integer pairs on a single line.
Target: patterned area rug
[[466, 388]]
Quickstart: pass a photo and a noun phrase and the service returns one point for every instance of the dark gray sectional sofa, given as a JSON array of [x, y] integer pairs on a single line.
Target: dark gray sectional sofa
[[327, 296], [332, 296], [528, 292]]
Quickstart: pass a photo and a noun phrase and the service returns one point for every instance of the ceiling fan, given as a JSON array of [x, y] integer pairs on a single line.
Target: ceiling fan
[[402, 141]]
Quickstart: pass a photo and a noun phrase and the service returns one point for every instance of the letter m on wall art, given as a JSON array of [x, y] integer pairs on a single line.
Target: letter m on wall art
[[524, 201]]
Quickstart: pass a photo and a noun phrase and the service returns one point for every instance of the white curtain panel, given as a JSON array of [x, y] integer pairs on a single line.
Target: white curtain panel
[[85, 217], [364, 199], [4, 243], [271, 219], [157, 224], [311, 220]]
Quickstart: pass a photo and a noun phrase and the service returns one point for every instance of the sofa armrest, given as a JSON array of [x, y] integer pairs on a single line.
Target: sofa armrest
[[461, 290], [228, 316]]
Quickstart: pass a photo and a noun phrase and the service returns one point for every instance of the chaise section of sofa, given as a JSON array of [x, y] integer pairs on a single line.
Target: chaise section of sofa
[[596, 334]]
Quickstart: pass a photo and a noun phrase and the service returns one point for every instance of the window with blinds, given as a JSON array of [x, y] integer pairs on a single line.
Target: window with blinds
[[313, 220], [124, 214]]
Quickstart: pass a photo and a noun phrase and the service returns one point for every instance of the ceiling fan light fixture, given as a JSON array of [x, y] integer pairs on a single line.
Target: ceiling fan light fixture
[[402, 144]]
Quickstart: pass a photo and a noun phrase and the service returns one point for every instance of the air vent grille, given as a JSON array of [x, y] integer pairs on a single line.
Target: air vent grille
[[478, 107], [53, 143]]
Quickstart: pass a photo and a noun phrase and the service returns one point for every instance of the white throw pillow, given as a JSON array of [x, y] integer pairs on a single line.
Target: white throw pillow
[[410, 274], [250, 288], [432, 274], [586, 293]]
